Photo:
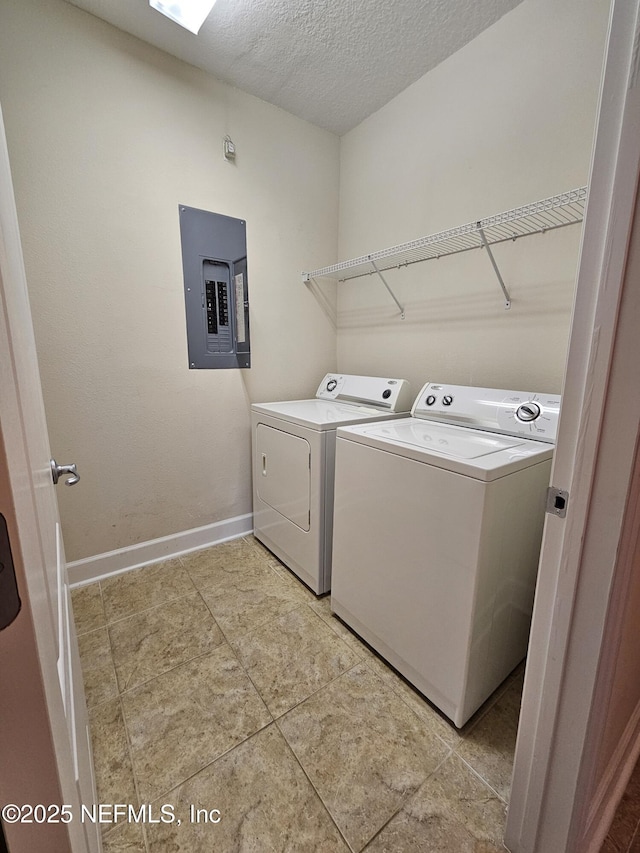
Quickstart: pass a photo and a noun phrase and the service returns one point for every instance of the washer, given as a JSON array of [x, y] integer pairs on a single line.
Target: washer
[[437, 529], [293, 466]]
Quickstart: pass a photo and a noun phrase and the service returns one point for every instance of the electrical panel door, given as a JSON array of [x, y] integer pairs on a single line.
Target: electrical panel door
[[214, 261]]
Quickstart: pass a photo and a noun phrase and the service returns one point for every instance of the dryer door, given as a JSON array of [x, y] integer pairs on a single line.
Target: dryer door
[[284, 473]]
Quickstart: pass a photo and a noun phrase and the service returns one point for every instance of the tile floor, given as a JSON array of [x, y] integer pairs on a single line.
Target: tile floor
[[624, 832], [219, 681]]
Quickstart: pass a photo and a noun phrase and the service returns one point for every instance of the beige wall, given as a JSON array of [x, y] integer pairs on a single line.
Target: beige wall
[[106, 136], [505, 121]]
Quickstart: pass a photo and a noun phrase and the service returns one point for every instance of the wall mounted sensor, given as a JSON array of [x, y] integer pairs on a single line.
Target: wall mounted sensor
[[214, 262], [228, 149]]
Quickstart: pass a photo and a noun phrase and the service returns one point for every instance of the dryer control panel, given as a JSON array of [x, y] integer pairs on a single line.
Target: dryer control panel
[[392, 395], [523, 413]]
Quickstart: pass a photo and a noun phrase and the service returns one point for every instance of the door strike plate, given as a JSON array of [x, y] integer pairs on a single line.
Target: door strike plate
[[557, 500]]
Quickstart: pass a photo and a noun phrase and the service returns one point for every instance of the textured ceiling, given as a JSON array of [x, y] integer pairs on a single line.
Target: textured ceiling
[[332, 62]]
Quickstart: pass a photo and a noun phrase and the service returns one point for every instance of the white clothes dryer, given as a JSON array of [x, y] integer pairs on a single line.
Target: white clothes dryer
[[437, 528], [293, 466]]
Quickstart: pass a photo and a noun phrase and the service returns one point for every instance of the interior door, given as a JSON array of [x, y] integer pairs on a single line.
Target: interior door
[[560, 798], [45, 756]]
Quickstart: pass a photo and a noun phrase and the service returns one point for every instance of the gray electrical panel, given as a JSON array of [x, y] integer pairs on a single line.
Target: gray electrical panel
[[214, 262]]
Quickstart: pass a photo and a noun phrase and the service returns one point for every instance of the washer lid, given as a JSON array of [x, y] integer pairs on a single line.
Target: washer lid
[[461, 443], [474, 453], [323, 414]]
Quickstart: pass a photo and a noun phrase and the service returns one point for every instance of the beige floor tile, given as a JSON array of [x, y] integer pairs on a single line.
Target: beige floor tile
[[322, 606], [264, 552], [153, 642], [363, 749], [114, 773], [125, 838], [98, 672], [288, 576], [266, 803], [294, 581], [453, 811], [88, 611], [247, 600], [410, 833], [267, 557], [442, 835], [375, 750], [432, 719], [436, 721], [184, 719], [209, 566], [291, 657], [489, 745], [140, 589]]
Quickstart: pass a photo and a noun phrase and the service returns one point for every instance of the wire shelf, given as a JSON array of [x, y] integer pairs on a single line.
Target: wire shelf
[[548, 214]]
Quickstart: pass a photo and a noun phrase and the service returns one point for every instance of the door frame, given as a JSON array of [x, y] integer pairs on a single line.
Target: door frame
[[563, 700]]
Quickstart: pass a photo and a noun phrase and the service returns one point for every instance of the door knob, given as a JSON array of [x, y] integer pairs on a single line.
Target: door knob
[[58, 471]]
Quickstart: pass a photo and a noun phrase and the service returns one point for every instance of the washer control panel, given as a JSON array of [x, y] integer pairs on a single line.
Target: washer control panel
[[388, 394], [522, 413]]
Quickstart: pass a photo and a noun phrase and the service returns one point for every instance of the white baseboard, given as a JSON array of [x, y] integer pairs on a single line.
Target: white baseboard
[[166, 548], [613, 785]]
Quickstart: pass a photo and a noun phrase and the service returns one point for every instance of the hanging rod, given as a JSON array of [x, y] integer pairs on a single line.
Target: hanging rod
[[537, 218]]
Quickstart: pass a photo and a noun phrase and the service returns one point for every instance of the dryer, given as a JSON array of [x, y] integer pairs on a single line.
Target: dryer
[[293, 466], [437, 530]]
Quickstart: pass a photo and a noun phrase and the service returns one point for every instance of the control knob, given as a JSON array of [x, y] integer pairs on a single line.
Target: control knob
[[386, 394], [528, 412], [430, 400], [332, 384], [447, 400]]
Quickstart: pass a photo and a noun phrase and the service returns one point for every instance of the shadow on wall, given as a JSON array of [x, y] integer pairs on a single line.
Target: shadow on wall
[[552, 300], [323, 301]]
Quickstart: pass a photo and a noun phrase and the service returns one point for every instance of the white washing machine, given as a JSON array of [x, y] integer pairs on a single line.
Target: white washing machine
[[437, 529], [293, 466]]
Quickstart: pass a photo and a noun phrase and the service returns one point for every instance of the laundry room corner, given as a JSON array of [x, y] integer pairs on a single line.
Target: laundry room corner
[[107, 137], [504, 122], [327, 310]]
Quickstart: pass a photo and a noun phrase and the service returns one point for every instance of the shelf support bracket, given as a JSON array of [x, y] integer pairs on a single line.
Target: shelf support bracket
[[391, 293], [485, 245]]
